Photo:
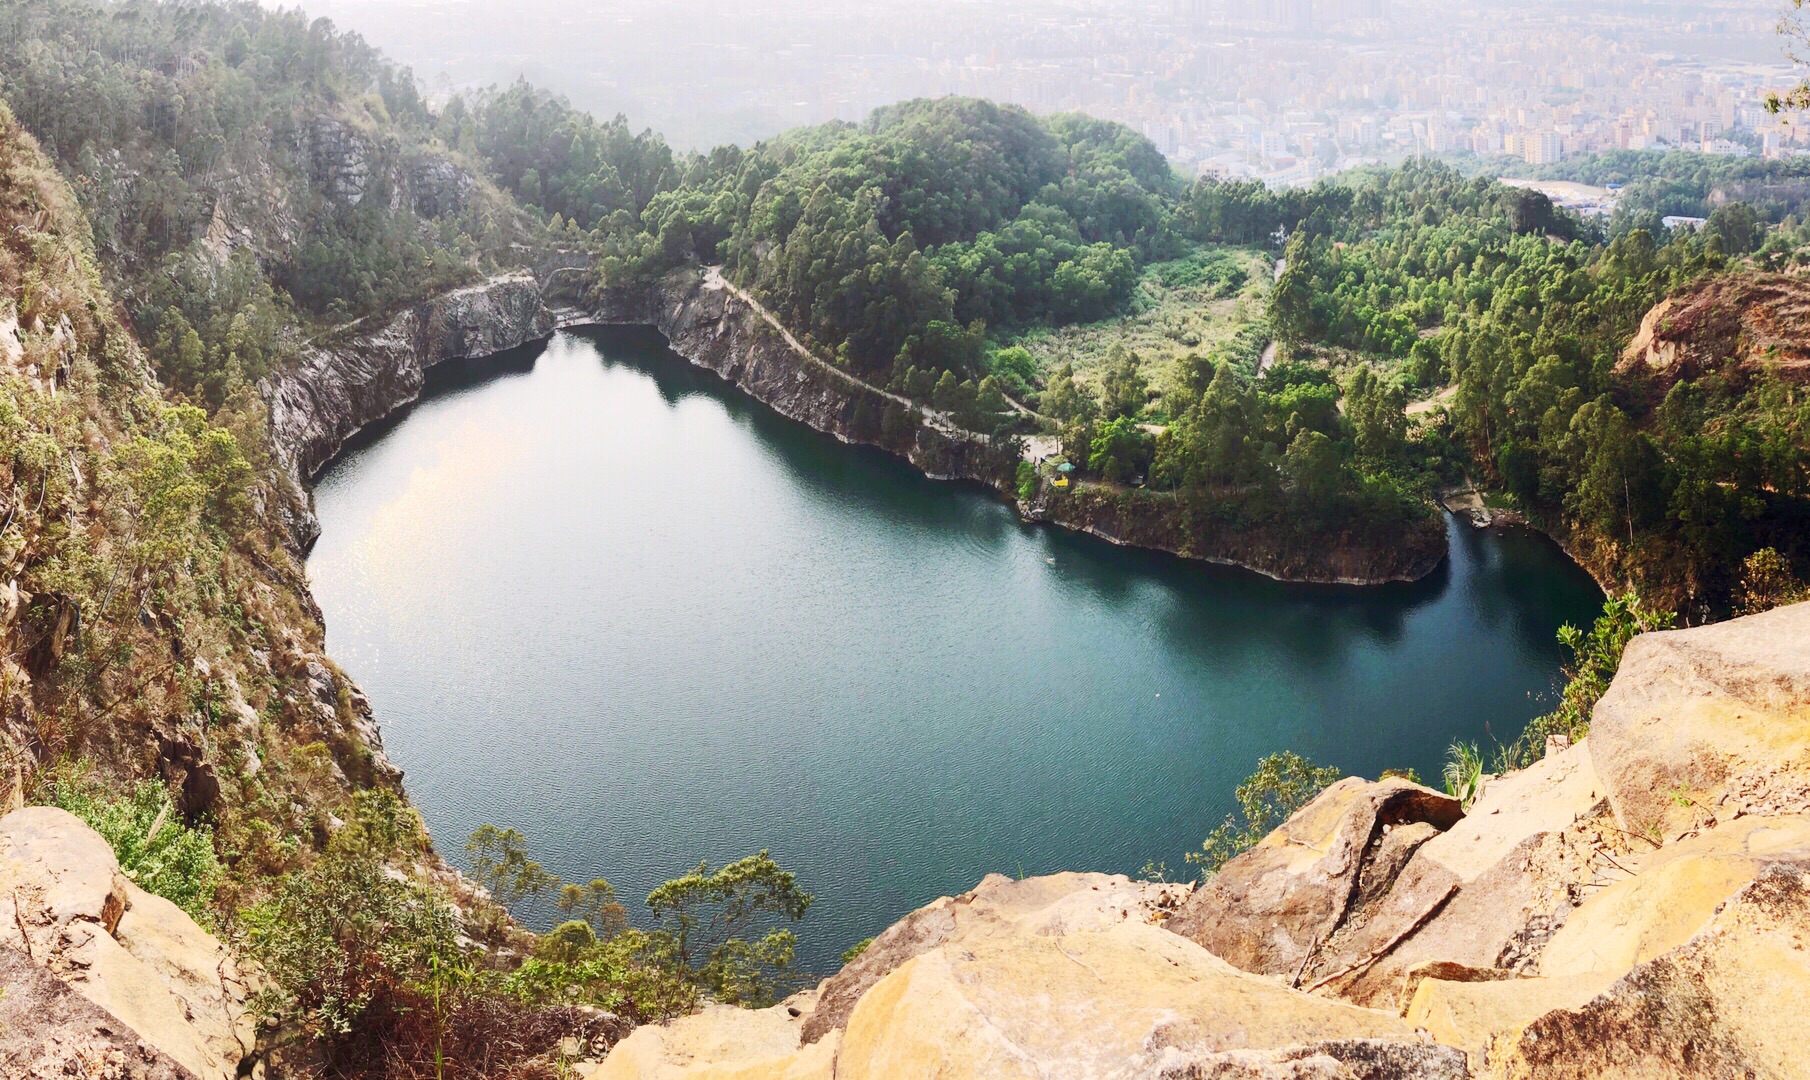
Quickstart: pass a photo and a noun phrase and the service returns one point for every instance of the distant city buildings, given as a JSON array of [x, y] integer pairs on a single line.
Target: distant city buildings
[[1281, 90]]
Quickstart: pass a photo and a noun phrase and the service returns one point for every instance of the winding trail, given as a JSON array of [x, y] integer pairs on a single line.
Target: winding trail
[[940, 421]]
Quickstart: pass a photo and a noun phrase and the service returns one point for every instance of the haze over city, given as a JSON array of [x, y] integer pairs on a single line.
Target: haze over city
[[1285, 90]]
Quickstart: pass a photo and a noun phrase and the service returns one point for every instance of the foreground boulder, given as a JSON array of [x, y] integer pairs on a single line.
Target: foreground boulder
[[1059, 976], [152, 975], [1486, 894], [1274, 909], [1708, 724], [48, 1030], [1730, 1002]]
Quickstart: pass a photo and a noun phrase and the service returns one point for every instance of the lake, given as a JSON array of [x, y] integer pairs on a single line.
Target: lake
[[597, 595]]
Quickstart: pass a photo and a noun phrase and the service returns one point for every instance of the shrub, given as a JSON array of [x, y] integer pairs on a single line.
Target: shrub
[[156, 849], [1283, 783], [1463, 772]]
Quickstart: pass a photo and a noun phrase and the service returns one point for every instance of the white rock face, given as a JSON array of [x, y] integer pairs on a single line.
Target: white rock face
[[136, 956]]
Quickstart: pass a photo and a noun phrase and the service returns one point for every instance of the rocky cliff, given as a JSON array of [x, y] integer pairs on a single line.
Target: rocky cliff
[[340, 387], [1637, 905], [708, 323]]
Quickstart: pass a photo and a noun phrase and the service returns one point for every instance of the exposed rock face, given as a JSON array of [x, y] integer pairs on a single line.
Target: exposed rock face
[[1531, 937], [1730, 1002], [347, 163], [338, 389], [1747, 320], [48, 1030], [149, 972], [1275, 908], [1704, 725], [707, 324], [998, 905], [1060, 976]]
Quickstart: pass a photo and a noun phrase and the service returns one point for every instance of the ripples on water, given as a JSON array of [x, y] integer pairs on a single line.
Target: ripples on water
[[596, 595]]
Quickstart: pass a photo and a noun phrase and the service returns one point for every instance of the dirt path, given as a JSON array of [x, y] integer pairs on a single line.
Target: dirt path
[[716, 282], [1423, 408]]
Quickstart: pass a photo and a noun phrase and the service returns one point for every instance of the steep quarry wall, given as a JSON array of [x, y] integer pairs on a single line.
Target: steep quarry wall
[[708, 323], [359, 378], [342, 386], [1637, 905]]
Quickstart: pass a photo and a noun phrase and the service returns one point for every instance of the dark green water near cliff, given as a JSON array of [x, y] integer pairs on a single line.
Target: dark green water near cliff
[[597, 595]]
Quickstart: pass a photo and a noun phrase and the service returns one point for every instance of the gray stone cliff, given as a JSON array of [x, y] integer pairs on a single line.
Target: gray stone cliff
[[341, 387]]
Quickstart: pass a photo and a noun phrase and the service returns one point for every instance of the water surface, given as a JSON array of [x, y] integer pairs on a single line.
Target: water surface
[[597, 595]]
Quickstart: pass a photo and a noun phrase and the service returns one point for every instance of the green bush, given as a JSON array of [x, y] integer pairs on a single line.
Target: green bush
[[156, 849], [1027, 481], [1283, 783], [1595, 656]]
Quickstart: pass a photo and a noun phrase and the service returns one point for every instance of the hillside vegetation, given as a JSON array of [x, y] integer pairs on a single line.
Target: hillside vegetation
[[244, 170], [1664, 481]]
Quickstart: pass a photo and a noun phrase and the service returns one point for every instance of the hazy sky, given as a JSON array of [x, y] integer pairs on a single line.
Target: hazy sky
[[707, 71]]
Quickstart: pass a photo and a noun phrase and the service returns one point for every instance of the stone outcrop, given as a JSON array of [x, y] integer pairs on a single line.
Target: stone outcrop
[[1729, 1002], [1068, 976], [346, 163], [161, 996], [1708, 724], [1382, 931], [339, 388], [1746, 321], [48, 1030], [1275, 909]]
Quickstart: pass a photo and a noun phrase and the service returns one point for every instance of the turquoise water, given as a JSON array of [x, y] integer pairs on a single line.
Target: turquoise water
[[597, 595]]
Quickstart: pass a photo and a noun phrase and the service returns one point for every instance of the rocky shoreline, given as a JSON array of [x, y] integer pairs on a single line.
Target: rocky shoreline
[[341, 388], [344, 386]]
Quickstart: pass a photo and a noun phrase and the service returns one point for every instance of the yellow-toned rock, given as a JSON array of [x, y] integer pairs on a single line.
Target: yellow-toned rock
[[1546, 797], [1708, 724], [1057, 903], [1672, 898], [1272, 909], [1469, 1014], [137, 956], [1127, 1001], [1729, 1002], [721, 1043], [1067, 976]]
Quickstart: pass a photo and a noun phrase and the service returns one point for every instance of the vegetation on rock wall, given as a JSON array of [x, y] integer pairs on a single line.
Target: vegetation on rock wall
[[244, 168]]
